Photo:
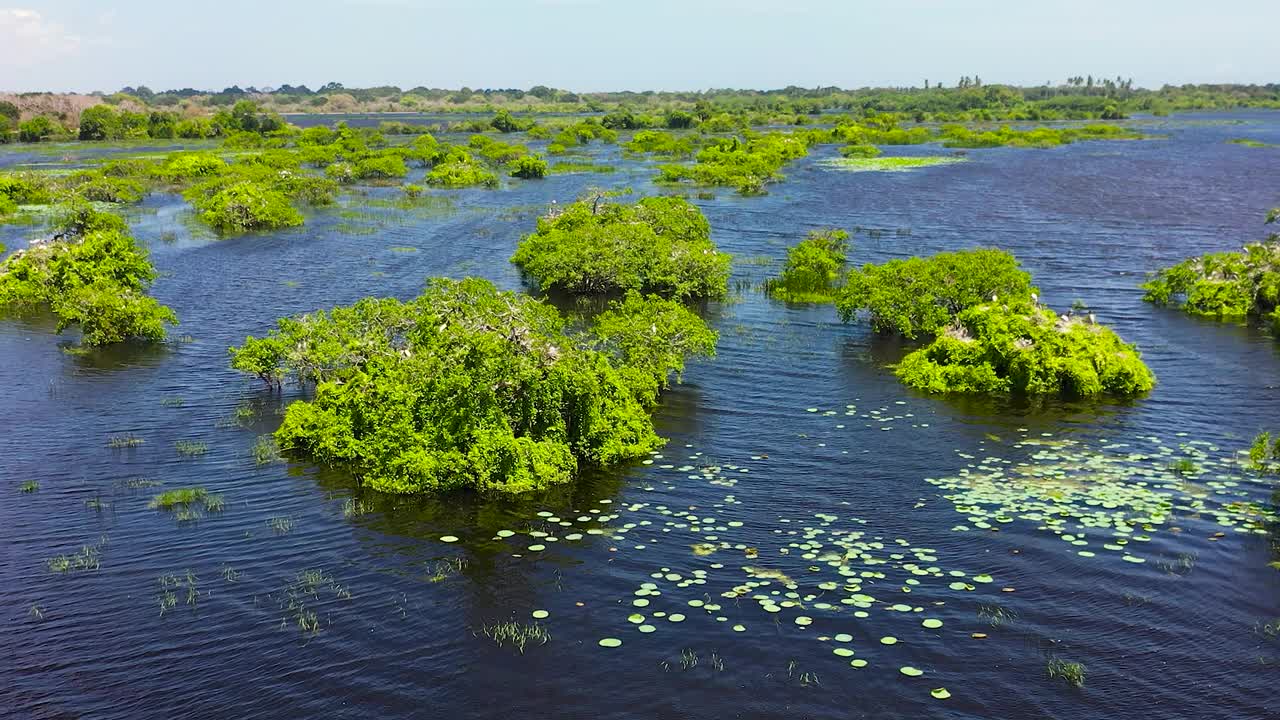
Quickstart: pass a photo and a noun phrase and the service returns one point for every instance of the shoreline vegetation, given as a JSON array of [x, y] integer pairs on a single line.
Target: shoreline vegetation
[[141, 112]]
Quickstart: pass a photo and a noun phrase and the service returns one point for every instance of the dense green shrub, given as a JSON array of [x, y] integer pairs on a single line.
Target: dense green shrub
[[747, 165], [1264, 453], [496, 152], [103, 188], [956, 136], [529, 167], [860, 151], [26, 188], [922, 296], [661, 143], [1228, 285], [813, 268], [381, 167], [92, 275], [183, 166], [1016, 347], [38, 129], [245, 206], [660, 244], [458, 169], [100, 122], [343, 173], [504, 122], [470, 387]]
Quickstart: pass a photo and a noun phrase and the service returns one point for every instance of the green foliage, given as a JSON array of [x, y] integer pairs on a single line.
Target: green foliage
[[813, 268], [661, 143], [92, 275], [658, 245], [529, 167], [860, 151], [458, 169], [1016, 347], [463, 387], [503, 122], [27, 188], [381, 167], [1231, 285], [101, 122], [495, 152], [38, 129], [747, 165], [922, 296], [956, 136], [245, 206], [1264, 453], [97, 187], [184, 166], [649, 339]]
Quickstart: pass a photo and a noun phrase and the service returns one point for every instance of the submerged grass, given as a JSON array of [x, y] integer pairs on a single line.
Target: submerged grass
[[126, 440], [447, 568], [517, 635], [265, 450], [1071, 672], [190, 448], [88, 558], [29, 486]]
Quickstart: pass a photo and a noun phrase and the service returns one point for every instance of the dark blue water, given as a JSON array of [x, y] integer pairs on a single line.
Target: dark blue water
[[768, 467]]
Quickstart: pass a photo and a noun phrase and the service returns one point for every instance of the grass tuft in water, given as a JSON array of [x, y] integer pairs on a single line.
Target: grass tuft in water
[[995, 615], [447, 568], [353, 507], [88, 558], [190, 448], [265, 450], [281, 524], [171, 499], [1071, 672], [127, 440], [29, 486], [36, 612], [517, 635]]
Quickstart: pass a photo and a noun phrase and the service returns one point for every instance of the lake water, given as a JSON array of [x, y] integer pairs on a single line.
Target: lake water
[[860, 508]]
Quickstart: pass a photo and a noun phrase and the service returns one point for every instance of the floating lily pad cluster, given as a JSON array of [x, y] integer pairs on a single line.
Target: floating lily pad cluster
[[1109, 499]]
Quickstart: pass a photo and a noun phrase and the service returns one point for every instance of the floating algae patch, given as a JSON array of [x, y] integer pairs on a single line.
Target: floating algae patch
[[888, 164], [1105, 501]]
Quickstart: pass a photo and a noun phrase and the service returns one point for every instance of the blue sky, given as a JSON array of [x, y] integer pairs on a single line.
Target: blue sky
[[585, 45]]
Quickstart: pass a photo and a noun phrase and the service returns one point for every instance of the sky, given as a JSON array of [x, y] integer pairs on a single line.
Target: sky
[[595, 45]]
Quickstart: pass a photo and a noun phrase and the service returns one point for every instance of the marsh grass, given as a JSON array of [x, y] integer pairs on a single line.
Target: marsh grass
[[353, 507], [517, 635], [688, 659], [186, 504], [29, 486], [136, 483], [1184, 466], [995, 615], [444, 569], [87, 559], [186, 586], [1071, 672], [297, 599], [190, 448], [572, 166], [265, 451], [1181, 564], [230, 574], [36, 612], [281, 524], [95, 503], [172, 402], [126, 440]]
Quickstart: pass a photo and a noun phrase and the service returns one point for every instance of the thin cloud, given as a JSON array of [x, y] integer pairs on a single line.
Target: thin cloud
[[29, 39]]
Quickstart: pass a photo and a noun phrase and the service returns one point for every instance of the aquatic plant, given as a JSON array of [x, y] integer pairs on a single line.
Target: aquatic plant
[[381, 167], [663, 144], [528, 406], [1226, 285], [265, 451], [888, 164], [88, 558], [1264, 453], [860, 151], [657, 245], [173, 498], [813, 268], [517, 635], [1071, 672], [127, 440], [29, 486], [91, 274], [190, 448]]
